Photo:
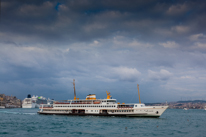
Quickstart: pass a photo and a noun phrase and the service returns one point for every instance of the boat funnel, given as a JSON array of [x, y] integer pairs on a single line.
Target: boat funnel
[[91, 97]]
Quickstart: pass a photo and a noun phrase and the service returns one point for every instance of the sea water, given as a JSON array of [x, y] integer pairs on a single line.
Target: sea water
[[174, 122]]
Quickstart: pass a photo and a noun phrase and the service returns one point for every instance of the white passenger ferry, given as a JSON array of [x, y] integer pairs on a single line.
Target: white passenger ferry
[[101, 107]]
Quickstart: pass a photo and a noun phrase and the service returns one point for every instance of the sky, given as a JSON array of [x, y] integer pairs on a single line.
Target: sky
[[105, 46]]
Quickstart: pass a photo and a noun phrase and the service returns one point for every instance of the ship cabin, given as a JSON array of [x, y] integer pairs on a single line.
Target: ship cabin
[[92, 102]]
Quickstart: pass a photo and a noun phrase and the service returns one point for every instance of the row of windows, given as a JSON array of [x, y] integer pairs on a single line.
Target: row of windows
[[58, 110], [92, 110], [141, 105], [85, 106], [120, 110]]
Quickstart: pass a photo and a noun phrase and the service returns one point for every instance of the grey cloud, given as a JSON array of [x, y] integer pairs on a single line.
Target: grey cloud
[[102, 44], [89, 19], [161, 75]]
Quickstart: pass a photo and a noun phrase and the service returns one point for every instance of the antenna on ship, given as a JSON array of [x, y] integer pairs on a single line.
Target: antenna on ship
[[138, 93], [74, 89]]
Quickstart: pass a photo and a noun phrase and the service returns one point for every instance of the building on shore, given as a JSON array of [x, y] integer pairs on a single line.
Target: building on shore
[[9, 101]]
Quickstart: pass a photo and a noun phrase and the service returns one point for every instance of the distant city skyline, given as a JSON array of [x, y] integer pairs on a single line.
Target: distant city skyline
[[105, 46]]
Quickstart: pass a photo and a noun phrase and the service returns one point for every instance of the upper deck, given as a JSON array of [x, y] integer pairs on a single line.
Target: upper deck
[[84, 101]]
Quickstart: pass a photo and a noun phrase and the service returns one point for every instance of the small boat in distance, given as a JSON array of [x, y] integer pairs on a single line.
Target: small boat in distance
[[185, 108], [101, 107]]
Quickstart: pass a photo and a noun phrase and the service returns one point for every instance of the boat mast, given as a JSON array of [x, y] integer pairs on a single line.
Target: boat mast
[[74, 89], [138, 93]]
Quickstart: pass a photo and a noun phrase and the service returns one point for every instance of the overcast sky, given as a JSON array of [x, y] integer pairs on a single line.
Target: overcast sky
[[104, 45]]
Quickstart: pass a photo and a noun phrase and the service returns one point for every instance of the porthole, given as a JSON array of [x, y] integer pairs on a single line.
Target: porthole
[[157, 112]]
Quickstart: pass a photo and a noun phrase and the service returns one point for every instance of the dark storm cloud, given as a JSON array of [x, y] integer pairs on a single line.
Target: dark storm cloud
[[45, 44], [88, 20]]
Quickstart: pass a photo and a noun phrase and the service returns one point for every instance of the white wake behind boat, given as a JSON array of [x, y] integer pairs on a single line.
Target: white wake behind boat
[[101, 107]]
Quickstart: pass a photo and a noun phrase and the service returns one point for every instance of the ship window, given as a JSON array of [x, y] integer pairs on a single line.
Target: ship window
[[135, 105], [91, 110]]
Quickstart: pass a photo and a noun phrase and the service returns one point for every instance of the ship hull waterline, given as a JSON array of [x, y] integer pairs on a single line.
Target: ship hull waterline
[[119, 115]]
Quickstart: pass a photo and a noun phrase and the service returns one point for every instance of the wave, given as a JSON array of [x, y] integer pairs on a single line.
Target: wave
[[8, 112]]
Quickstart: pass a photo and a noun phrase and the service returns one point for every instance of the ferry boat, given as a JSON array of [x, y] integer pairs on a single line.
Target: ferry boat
[[33, 102], [101, 107]]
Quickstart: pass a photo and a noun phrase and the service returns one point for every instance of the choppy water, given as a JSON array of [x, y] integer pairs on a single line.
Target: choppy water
[[174, 122]]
